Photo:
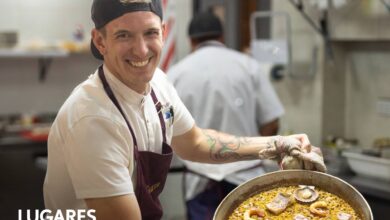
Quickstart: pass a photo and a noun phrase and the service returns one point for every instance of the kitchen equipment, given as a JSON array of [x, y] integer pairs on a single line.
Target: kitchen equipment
[[368, 166], [272, 51], [8, 39], [271, 180]]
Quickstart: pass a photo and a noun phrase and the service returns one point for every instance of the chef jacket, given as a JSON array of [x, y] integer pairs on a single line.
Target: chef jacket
[[230, 92]]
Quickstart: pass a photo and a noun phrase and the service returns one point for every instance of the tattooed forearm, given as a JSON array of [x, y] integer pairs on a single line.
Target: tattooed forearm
[[224, 147]]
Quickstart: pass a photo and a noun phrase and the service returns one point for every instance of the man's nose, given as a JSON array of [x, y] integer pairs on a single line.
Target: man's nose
[[140, 48]]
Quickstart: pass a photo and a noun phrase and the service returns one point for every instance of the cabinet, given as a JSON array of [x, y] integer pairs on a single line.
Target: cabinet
[[21, 179]]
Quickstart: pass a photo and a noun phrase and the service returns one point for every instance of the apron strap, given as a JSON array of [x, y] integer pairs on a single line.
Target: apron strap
[[160, 115], [111, 95], [157, 104]]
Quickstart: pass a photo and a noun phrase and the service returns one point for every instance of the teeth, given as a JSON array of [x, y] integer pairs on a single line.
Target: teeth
[[139, 64]]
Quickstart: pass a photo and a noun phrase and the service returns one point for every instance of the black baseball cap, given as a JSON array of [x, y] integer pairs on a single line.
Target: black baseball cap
[[104, 11], [205, 24]]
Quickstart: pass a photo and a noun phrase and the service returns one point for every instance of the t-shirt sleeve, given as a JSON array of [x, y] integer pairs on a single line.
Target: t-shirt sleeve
[[98, 158], [268, 104]]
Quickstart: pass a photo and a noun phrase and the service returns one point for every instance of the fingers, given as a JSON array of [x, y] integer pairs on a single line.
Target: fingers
[[321, 168], [316, 150], [312, 161], [298, 147], [303, 140], [290, 144]]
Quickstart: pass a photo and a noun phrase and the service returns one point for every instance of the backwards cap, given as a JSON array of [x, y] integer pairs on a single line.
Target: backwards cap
[[104, 11]]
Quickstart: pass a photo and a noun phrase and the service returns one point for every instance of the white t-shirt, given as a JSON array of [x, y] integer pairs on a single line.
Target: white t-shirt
[[90, 148], [227, 91]]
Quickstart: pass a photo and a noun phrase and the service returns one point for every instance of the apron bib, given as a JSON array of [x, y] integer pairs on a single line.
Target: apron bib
[[152, 168]]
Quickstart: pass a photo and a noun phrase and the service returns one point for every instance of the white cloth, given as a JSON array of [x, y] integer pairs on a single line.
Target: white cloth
[[227, 91], [90, 148]]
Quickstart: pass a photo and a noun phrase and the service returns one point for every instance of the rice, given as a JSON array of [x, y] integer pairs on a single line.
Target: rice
[[335, 205]]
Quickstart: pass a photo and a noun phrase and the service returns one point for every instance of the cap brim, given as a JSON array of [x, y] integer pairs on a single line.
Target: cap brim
[[96, 52]]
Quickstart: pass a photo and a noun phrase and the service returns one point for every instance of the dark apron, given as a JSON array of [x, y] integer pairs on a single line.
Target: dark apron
[[152, 168]]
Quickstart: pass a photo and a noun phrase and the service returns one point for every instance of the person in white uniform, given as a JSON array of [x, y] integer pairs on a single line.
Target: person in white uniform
[[110, 146], [228, 91]]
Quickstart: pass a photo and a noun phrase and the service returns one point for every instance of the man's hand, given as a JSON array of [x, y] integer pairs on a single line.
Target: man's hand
[[312, 160], [294, 152]]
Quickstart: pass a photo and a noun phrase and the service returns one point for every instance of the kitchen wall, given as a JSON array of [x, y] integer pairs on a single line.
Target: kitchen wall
[[342, 98], [367, 83], [301, 91], [364, 68], [22, 92], [46, 22], [356, 94]]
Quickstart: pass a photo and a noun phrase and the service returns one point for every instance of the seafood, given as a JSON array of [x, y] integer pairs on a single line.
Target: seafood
[[344, 216], [280, 203], [259, 213], [319, 208], [328, 204], [306, 194], [300, 217]]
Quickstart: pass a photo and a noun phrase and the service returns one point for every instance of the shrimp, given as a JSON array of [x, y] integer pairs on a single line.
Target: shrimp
[[254, 212]]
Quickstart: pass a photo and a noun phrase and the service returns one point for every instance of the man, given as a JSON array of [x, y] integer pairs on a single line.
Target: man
[[227, 91], [110, 146]]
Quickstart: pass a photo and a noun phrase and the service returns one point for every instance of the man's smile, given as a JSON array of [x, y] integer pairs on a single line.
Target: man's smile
[[138, 63]]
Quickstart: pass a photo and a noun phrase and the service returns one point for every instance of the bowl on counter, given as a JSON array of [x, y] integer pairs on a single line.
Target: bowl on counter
[[272, 180], [368, 166]]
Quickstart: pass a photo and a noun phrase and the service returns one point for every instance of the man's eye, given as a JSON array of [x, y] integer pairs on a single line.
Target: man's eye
[[153, 33], [122, 35]]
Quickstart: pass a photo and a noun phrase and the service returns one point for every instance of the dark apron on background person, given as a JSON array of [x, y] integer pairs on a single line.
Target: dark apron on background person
[[152, 168]]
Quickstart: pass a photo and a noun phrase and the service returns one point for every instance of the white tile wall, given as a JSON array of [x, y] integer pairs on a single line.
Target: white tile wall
[[368, 80], [48, 20]]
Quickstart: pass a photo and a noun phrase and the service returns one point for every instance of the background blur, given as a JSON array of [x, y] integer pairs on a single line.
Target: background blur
[[334, 87]]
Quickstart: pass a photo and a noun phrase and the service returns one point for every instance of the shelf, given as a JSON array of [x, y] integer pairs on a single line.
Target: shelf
[[24, 53], [44, 57]]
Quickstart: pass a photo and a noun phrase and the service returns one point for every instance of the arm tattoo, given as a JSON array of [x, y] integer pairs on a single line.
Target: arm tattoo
[[225, 148]]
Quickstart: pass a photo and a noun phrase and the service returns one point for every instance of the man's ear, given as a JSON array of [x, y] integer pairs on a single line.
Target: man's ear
[[98, 40], [164, 31]]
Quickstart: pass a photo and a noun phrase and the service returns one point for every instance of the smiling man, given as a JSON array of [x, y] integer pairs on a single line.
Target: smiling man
[[110, 146]]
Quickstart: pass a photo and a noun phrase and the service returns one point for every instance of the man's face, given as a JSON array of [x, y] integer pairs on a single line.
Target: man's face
[[132, 47]]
